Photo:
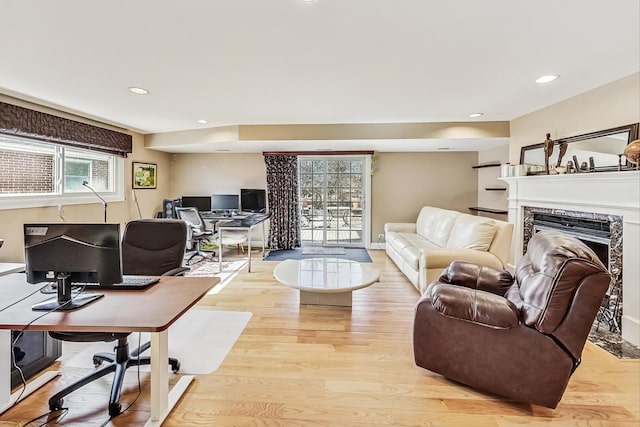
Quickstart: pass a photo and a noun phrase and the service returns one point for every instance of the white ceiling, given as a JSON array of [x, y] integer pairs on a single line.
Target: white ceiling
[[242, 62]]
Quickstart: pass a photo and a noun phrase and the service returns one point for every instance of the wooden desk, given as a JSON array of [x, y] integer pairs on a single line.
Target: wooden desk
[[11, 267], [152, 310]]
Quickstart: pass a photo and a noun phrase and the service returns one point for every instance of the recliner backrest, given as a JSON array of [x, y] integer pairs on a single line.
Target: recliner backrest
[[153, 246], [548, 276]]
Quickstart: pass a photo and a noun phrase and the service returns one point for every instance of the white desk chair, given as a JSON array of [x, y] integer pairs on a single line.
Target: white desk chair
[[237, 238]]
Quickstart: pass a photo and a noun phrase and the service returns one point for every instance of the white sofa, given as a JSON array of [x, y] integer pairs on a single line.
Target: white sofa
[[439, 236]]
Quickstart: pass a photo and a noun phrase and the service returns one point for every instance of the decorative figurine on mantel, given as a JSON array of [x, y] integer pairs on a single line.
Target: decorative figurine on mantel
[[570, 167], [548, 150], [562, 148], [632, 153]]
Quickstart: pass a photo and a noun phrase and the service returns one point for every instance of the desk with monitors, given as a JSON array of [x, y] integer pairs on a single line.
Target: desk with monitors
[[156, 308], [82, 253]]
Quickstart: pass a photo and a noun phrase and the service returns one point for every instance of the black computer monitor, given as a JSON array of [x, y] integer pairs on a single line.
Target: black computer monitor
[[253, 200], [225, 202], [202, 203], [66, 253]]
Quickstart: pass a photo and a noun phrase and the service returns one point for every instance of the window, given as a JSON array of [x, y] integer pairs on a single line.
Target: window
[[76, 173], [84, 166], [334, 199], [34, 174]]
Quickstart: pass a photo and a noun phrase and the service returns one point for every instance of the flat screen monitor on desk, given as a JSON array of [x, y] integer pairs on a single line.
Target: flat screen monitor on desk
[[66, 253], [202, 203], [226, 203], [253, 200]]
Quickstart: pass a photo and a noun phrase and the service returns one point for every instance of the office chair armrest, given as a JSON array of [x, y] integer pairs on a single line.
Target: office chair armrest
[[177, 271]]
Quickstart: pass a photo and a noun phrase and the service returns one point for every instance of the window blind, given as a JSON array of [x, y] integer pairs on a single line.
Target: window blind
[[20, 121]]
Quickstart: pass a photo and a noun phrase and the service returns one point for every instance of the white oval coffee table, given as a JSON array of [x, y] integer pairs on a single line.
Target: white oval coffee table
[[325, 281]]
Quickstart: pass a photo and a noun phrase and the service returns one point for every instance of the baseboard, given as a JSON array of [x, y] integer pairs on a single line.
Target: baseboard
[[377, 246], [631, 329]]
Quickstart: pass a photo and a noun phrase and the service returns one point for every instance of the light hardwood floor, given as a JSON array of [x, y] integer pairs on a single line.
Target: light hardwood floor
[[328, 366]]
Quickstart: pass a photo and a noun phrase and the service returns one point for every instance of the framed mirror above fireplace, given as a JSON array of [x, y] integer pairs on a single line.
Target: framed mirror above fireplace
[[605, 147]]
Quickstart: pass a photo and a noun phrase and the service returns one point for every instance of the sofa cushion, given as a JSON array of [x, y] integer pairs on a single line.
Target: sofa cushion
[[441, 226], [391, 236], [412, 253], [396, 240], [471, 232], [425, 220], [409, 245]]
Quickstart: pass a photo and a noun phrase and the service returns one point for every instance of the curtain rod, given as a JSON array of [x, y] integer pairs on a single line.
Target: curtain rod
[[317, 153]]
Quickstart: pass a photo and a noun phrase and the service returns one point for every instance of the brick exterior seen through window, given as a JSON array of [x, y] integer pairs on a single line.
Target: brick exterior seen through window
[[100, 174], [25, 172]]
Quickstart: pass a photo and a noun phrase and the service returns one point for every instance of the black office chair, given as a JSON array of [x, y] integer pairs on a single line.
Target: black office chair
[[153, 247], [198, 230]]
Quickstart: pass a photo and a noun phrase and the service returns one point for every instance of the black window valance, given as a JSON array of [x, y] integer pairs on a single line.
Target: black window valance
[[19, 121]]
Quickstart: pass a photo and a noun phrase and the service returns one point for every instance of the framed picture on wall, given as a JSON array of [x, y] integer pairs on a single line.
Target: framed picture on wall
[[144, 175]]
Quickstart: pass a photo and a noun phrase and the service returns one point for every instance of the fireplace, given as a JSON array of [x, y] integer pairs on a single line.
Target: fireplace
[[602, 233], [603, 208]]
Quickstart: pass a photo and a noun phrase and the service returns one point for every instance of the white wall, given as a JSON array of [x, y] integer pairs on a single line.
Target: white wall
[[612, 105], [206, 174]]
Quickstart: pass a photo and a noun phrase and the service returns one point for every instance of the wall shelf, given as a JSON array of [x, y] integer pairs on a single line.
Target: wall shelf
[[486, 165], [489, 187], [488, 210]]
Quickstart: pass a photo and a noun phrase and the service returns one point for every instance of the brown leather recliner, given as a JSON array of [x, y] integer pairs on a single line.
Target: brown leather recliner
[[520, 338]]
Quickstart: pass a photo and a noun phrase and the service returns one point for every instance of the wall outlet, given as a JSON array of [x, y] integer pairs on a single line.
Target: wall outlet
[[380, 236]]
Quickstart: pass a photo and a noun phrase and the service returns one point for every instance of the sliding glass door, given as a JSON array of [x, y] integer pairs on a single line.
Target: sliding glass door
[[333, 200]]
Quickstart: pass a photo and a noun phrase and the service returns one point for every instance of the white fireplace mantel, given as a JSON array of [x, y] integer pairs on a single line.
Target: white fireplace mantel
[[609, 193]]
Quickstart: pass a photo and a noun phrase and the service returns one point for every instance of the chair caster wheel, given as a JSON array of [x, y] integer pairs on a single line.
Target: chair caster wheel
[[56, 406], [97, 362], [175, 367], [114, 409]]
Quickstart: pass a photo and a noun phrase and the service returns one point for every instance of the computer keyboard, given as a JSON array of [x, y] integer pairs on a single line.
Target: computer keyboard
[[128, 282]]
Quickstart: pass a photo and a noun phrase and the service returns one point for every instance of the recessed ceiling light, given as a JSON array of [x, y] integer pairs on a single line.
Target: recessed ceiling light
[[546, 79], [474, 115], [202, 121], [139, 91]]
